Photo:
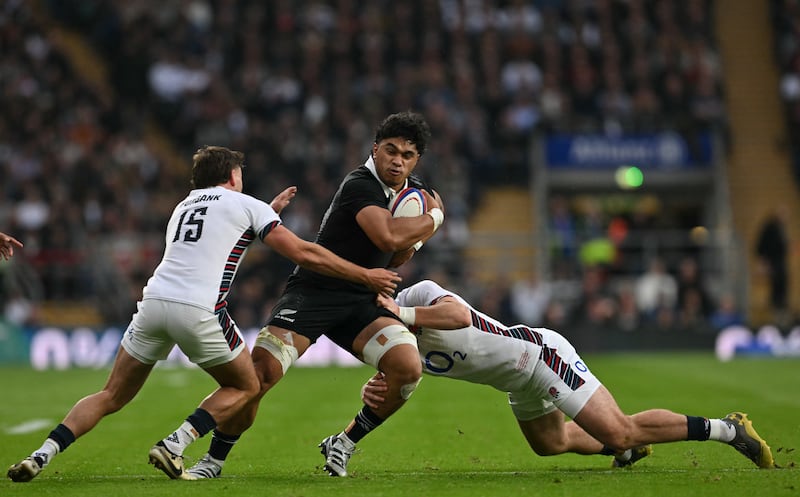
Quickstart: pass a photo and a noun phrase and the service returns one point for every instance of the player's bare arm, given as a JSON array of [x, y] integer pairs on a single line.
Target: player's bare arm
[[282, 199], [317, 258], [447, 313], [392, 234]]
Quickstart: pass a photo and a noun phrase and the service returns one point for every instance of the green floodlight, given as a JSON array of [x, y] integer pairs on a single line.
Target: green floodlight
[[629, 177]]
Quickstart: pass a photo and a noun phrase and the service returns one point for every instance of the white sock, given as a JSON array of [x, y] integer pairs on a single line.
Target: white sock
[[181, 438], [349, 444], [721, 431], [47, 451]]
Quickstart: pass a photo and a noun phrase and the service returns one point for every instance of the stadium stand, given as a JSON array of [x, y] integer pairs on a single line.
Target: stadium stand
[[104, 103]]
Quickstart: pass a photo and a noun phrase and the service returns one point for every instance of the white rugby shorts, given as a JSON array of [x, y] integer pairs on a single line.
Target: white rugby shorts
[[560, 380], [158, 325]]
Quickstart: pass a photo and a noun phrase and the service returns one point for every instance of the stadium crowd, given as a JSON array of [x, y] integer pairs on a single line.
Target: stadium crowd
[[786, 19], [299, 87]]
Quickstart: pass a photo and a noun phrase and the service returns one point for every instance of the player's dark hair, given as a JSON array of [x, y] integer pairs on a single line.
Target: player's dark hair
[[212, 165], [408, 125]]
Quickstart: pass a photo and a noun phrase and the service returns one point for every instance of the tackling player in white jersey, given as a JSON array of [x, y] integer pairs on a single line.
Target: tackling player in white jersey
[[545, 379], [184, 303]]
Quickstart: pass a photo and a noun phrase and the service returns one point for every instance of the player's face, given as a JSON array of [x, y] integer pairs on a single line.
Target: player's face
[[395, 159]]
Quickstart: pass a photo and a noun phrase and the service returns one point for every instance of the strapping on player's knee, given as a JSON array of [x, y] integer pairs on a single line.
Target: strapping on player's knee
[[283, 352], [407, 390], [385, 339]]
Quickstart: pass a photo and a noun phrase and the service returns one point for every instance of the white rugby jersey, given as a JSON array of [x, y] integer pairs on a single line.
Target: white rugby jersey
[[206, 240], [486, 352]]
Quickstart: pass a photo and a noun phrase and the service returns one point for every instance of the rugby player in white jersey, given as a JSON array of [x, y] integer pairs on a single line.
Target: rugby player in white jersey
[[184, 303], [545, 379]]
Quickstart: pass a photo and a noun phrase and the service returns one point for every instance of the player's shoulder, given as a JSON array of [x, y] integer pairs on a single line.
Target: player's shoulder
[[361, 183], [245, 206], [246, 201], [360, 174], [423, 292], [362, 178], [428, 286]]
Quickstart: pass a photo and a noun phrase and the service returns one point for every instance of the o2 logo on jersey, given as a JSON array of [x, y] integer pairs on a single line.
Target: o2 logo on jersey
[[441, 362], [580, 366], [191, 228]]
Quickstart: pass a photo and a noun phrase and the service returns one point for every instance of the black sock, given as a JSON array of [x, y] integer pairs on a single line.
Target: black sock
[[202, 421], [221, 445], [63, 436], [698, 427], [365, 422], [607, 451]]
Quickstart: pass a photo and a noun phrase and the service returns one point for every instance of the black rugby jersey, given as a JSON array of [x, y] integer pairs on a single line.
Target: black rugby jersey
[[341, 234]]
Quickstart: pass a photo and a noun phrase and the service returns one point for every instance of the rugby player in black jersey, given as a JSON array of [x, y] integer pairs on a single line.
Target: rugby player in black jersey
[[358, 227]]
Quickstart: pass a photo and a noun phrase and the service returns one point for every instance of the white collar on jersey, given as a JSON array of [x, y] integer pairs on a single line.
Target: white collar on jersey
[[370, 164]]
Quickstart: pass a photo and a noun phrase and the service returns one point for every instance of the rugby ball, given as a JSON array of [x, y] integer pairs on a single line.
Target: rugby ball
[[409, 202]]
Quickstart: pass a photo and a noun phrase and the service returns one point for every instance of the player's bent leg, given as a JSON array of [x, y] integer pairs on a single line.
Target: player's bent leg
[[238, 385], [284, 346], [392, 349], [125, 380], [608, 430], [602, 418], [274, 352], [389, 347], [547, 434], [550, 435]]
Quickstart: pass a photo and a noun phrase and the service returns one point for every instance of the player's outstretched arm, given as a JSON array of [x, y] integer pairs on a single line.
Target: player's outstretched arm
[[317, 258], [7, 244], [282, 199], [447, 313]]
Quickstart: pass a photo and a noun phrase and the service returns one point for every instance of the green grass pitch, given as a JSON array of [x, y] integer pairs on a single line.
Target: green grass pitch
[[451, 439]]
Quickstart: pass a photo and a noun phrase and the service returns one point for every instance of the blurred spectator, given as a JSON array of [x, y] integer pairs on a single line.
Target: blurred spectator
[[693, 297], [597, 305], [529, 300], [563, 237], [690, 313], [497, 297], [786, 21], [726, 313], [656, 291], [772, 249], [628, 317]]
